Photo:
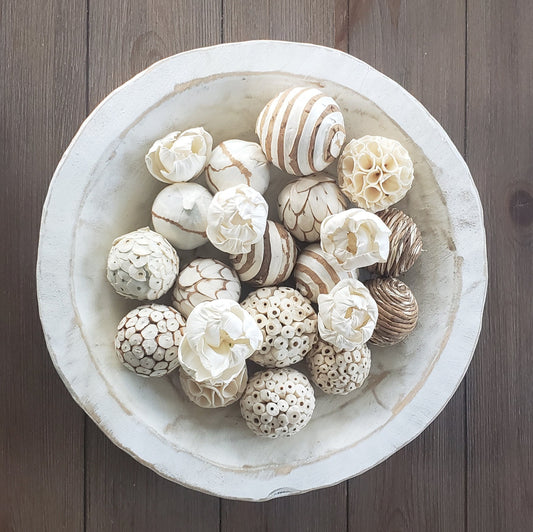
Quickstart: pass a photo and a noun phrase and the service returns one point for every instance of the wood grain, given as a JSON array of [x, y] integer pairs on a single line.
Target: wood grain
[[124, 38], [422, 46], [500, 154], [42, 102]]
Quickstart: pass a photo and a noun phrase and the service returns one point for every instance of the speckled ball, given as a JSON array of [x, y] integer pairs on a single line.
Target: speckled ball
[[277, 402], [336, 371], [288, 322], [142, 265], [148, 338]]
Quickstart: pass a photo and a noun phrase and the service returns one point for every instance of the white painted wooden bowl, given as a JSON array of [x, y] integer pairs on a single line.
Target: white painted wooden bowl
[[102, 189]]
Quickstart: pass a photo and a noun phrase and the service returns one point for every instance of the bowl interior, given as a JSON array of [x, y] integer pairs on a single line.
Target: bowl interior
[[118, 200]]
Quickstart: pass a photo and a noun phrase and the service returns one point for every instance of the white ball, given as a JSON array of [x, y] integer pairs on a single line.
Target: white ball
[[179, 213], [234, 162]]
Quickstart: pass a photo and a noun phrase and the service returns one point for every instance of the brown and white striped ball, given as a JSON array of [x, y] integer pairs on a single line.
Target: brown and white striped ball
[[315, 273], [270, 261], [301, 130]]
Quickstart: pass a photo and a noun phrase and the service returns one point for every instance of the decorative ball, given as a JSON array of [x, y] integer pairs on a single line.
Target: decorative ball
[[236, 219], [288, 324], [235, 162], [180, 156], [304, 203], [405, 244], [148, 338], [316, 272], [214, 394], [397, 310], [270, 261], [142, 265], [375, 172], [179, 213], [347, 315], [355, 238], [277, 402], [336, 371], [301, 131], [204, 280]]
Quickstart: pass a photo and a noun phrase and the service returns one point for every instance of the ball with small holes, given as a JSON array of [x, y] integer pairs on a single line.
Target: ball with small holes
[[337, 371], [148, 338], [142, 265], [277, 402], [288, 322]]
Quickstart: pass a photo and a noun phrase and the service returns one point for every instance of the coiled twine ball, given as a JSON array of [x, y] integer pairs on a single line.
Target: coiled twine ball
[[337, 371], [397, 310], [288, 322], [277, 402], [405, 244], [148, 338]]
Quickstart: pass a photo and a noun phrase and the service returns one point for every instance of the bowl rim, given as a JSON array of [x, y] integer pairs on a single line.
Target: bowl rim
[[62, 334]]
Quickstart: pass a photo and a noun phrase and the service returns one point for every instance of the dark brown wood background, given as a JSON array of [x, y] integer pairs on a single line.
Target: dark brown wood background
[[470, 62]]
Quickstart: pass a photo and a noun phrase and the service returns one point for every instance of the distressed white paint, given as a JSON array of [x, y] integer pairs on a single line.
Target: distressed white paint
[[102, 189]]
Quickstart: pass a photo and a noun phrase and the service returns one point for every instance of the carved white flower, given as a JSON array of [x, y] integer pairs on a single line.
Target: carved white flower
[[219, 337], [347, 315], [236, 219], [356, 238], [180, 156]]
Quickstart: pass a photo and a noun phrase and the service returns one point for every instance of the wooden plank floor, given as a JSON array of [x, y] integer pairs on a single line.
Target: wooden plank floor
[[470, 62]]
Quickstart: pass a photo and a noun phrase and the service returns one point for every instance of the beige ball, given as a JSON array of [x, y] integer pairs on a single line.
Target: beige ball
[[148, 339], [306, 202], [288, 323], [277, 402], [397, 310], [270, 261], [301, 130], [337, 371]]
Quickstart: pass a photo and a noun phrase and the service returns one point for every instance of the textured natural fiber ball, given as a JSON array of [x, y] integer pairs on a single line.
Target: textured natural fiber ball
[[277, 402], [397, 310], [148, 338], [336, 371], [204, 280], [405, 244], [214, 394], [288, 322], [142, 265], [306, 202]]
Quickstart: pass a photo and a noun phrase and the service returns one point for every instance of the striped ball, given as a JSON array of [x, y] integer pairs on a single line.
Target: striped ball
[[316, 274], [270, 261], [301, 131]]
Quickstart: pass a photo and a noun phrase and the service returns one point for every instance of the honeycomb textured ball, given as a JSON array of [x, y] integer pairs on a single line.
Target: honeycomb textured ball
[[397, 310], [405, 244], [214, 394], [142, 265], [277, 402], [288, 323], [148, 338], [317, 272], [204, 280], [270, 261], [375, 172], [306, 202], [337, 371], [301, 131]]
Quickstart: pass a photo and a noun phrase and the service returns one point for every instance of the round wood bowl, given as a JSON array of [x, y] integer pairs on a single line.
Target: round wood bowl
[[102, 189]]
